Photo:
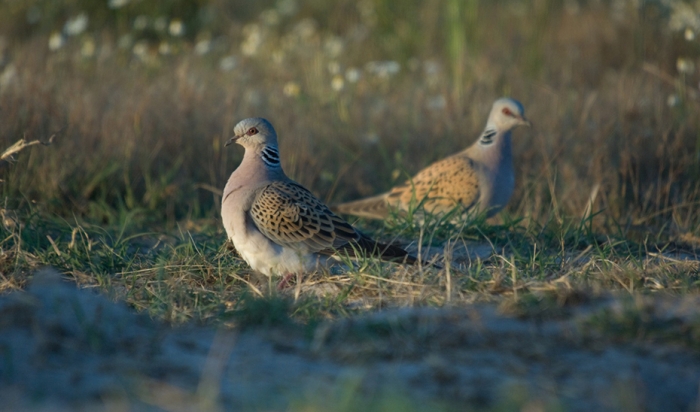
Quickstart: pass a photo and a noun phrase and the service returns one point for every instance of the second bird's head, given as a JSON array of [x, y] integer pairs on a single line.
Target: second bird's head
[[508, 113], [253, 132]]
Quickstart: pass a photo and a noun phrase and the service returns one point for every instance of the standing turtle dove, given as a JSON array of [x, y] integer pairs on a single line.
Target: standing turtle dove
[[480, 178], [278, 226]]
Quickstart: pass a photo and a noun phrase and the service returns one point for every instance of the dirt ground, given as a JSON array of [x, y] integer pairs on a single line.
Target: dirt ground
[[63, 348]]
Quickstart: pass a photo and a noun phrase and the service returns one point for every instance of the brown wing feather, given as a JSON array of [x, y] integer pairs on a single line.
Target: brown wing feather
[[441, 186], [291, 216]]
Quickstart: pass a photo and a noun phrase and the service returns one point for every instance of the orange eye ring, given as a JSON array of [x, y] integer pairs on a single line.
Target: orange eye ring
[[252, 131]]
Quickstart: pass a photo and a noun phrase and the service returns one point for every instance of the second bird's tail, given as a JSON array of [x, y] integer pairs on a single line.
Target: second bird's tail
[[374, 207]]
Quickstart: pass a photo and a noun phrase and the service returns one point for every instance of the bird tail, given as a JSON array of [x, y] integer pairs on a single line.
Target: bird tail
[[391, 253], [374, 207]]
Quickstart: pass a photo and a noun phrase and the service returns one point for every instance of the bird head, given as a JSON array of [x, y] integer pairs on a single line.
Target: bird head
[[507, 113], [253, 132]]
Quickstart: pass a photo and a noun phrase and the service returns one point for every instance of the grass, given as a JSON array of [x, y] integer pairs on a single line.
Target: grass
[[192, 274], [126, 199]]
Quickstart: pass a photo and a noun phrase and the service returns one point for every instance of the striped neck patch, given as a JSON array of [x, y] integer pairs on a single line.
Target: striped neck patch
[[270, 156], [487, 137]]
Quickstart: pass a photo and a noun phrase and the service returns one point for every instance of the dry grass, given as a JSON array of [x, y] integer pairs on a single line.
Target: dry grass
[[193, 274]]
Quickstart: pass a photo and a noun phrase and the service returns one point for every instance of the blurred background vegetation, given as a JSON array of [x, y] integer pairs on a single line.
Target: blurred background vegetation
[[362, 93]]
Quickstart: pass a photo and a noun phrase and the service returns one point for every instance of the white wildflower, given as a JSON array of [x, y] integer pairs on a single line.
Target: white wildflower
[[160, 23], [270, 17], [76, 25], [333, 67], [572, 7], [432, 68], [673, 100], [337, 83], [371, 137], [291, 89], [140, 49], [253, 39], [689, 34], [115, 4], [125, 41], [684, 15], [287, 7], [33, 15], [228, 63], [352, 75], [368, 14], [87, 50], [8, 75], [56, 41], [433, 72], [277, 56], [253, 97], [164, 48], [619, 10], [305, 28], [685, 66], [436, 103], [140, 22], [202, 47], [383, 69], [176, 28], [333, 46]]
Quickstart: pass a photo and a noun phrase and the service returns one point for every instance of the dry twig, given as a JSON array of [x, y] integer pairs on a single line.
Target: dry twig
[[22, 144]]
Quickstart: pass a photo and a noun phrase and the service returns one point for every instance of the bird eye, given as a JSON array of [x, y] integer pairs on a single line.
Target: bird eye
[[507, 112], [252, 131]]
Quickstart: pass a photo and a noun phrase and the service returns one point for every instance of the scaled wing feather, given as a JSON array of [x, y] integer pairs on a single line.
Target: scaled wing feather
[[441, 186], [291, 216]]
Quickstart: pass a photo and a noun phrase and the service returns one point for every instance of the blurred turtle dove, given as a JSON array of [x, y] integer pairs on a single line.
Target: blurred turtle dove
[[278, 226], [480, 178]]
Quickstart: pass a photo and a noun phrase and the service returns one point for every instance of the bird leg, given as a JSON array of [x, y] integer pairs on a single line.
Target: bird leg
[[284, 283]]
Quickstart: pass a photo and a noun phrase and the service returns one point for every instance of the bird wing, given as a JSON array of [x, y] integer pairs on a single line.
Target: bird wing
[[291, 216], [441, 186]]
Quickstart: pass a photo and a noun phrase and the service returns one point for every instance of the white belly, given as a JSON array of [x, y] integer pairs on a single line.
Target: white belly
[[265, 256]]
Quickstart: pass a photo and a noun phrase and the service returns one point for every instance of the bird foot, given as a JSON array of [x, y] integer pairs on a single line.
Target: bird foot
[[284, 283]]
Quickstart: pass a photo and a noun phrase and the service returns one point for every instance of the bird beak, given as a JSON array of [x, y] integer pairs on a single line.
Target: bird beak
[[525, 122], [231, 141]]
